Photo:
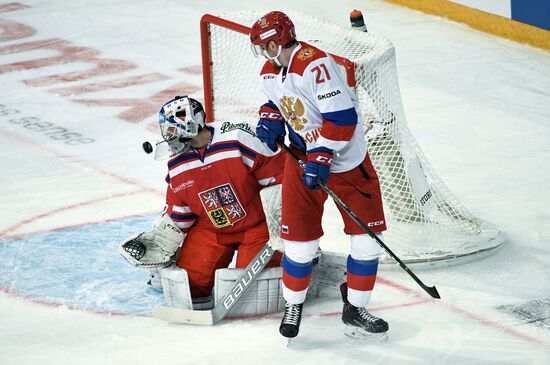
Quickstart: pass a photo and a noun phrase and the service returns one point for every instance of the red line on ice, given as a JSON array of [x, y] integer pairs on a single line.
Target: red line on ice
[[421, 299], [20, 236], [4, 233], [71, 159], [470, 315]]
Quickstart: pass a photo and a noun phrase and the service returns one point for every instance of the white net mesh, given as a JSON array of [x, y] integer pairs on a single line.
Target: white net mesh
[[426, 222]]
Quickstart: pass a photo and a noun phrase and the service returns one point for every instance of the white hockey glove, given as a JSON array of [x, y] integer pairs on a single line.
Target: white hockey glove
[[155, 248]]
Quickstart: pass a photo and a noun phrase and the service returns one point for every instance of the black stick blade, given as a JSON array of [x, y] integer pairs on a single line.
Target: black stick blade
[[432, 291]]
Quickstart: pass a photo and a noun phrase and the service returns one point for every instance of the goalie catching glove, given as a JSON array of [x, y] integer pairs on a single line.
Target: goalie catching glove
[[155, 248]]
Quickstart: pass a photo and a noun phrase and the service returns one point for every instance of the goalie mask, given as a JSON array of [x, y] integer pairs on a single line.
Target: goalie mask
[[180, 119]]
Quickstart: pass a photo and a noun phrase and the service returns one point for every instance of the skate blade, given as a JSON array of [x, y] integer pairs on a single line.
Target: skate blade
[[360, 334]]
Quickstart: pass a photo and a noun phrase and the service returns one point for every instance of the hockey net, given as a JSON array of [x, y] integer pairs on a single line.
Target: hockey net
[[426, 223]]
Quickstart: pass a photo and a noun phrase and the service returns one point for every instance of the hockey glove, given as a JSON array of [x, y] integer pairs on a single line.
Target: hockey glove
[[271, 126], [155, 248], [317, 166]]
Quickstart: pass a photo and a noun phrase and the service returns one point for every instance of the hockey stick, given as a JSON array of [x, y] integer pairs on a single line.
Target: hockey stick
[[430, 290], [213, 316]]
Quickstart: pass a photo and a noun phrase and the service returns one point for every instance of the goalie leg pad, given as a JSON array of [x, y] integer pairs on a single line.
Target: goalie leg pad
[[271, 202], [265, 295], [175, 285], [155, 279], [262, 297]]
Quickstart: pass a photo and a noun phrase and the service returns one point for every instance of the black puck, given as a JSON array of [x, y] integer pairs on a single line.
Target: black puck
[[147, 147]]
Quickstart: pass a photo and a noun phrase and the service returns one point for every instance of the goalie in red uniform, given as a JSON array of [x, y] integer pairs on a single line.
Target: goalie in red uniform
[[324, 123], [213, 204]]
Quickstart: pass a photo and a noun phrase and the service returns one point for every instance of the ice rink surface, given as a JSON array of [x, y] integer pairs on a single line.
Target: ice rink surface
[[75, 182]]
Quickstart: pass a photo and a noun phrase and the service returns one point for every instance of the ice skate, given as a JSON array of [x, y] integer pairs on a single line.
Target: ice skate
[[360, 323], [290, 324]]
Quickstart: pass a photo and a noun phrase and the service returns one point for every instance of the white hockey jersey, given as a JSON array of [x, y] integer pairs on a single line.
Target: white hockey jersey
[[317, 104]]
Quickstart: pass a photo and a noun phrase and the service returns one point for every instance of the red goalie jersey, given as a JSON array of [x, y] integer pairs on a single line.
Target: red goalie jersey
[[217, 187]]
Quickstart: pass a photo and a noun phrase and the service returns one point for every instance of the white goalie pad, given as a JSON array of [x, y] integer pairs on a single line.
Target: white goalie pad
[[265, 295], [331, 273], [175, 286], [262, 297], [154, 248], [271, 202], [155, 280]]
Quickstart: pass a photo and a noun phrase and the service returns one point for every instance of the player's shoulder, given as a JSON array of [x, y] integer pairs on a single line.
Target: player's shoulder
[[242, 133], [305, 56], [269, 69]]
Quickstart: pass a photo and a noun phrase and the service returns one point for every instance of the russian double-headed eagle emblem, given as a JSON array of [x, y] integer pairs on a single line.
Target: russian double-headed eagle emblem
[[294, 110]]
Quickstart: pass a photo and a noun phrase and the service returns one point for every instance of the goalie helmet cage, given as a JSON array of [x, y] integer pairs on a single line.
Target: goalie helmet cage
[[426, 223]]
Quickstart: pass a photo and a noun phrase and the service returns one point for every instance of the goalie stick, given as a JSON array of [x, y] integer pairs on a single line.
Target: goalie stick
[[220, 310], [432, 291]]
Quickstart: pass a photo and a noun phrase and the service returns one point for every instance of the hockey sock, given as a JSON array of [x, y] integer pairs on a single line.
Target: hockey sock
[[361, 276], [296, 279]]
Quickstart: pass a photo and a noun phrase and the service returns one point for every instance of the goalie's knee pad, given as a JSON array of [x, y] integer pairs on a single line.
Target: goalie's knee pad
[[364, 247], [175, 285]]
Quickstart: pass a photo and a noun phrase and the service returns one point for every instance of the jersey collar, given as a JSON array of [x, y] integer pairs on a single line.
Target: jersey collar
[[284, 70]]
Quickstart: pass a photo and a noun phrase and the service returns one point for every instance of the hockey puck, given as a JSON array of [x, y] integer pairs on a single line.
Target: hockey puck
[[147, 147]]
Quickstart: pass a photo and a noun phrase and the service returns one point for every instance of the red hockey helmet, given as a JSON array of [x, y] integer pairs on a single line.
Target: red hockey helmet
[[274, 26]]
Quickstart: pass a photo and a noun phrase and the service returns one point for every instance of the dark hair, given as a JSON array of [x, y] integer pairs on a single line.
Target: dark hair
[[291, 43]]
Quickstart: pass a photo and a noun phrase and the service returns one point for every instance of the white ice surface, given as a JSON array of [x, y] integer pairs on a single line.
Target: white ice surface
[[478, 105]]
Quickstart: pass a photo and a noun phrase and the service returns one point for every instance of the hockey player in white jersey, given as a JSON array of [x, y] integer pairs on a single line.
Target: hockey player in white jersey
[[321, 114]]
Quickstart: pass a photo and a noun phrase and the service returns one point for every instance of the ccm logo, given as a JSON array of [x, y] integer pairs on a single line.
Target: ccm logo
[[270, 116], [323, 159], [373, 224]]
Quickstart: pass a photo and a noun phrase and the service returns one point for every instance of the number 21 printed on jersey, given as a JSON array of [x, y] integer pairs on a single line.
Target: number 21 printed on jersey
[[321, 73]]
